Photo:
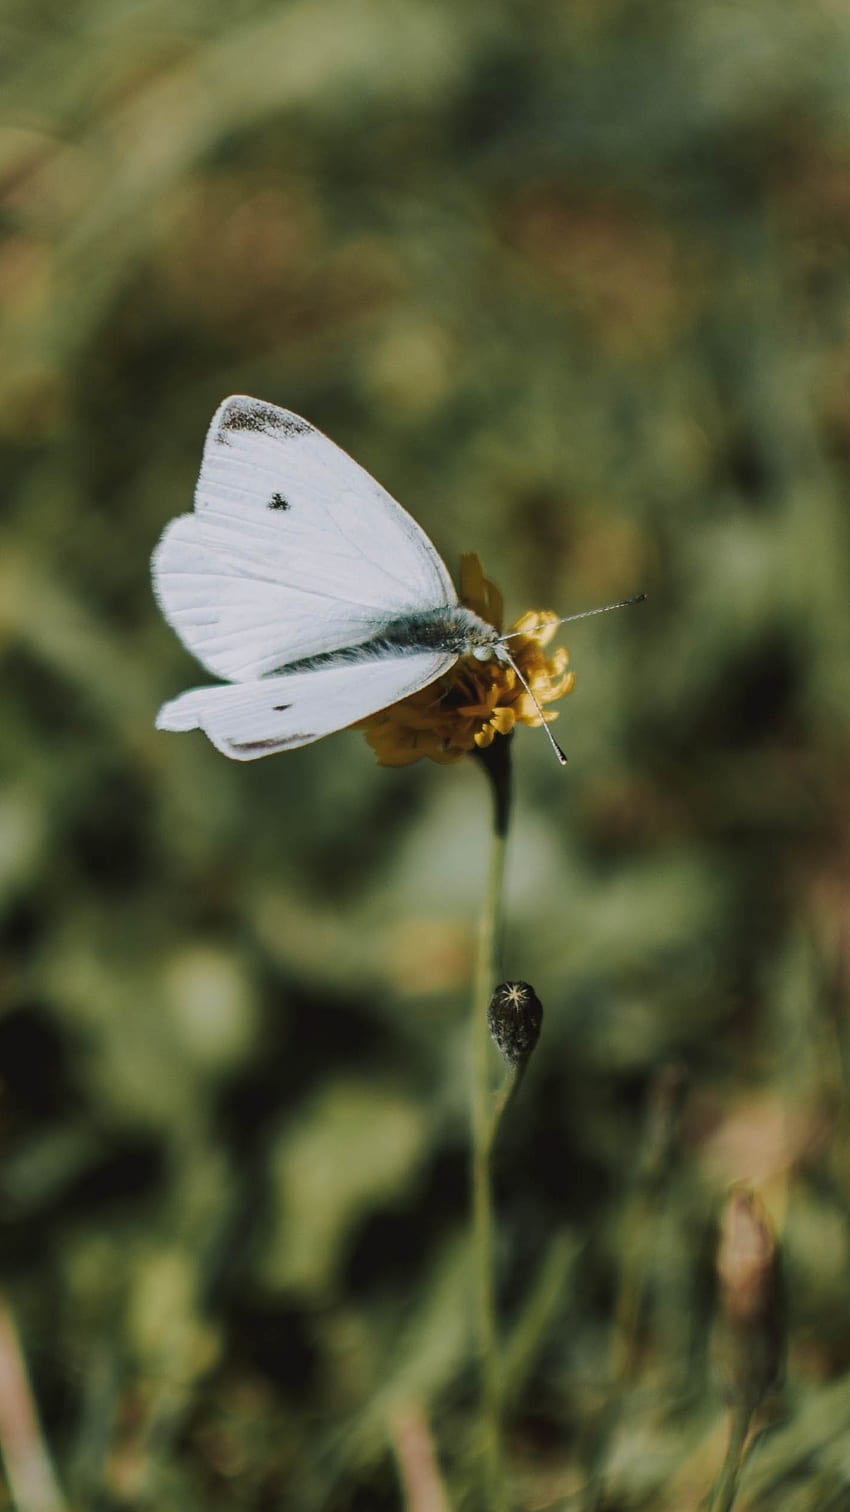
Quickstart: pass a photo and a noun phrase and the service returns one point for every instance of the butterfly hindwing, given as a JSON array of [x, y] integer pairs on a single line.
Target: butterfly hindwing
[[256, 718], [293, 549]]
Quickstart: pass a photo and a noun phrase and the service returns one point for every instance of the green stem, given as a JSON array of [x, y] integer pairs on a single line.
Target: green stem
[[502, 1099], [637, 1233], [482, 1129], [32, 1482], [727, 1483]]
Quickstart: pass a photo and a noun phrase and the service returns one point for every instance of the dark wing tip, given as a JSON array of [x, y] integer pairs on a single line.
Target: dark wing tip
[[241, 413]]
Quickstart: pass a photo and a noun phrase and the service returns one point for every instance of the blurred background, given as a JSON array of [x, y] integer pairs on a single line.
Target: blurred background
[[571, 280]]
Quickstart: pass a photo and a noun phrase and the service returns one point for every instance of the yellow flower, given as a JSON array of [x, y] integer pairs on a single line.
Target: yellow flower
[[475, 701]]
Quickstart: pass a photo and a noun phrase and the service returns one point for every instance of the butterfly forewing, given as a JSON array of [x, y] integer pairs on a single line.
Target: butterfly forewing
[[250, 719], [293, 550]]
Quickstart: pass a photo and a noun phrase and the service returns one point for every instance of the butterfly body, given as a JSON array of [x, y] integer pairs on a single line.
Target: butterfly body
[[457, 630]]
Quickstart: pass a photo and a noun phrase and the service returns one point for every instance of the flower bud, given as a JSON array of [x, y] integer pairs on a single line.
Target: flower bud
[[749, 1337], [514, 1018]]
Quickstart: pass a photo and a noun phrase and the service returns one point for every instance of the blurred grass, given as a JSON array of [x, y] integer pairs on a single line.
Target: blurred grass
[[572, 281]]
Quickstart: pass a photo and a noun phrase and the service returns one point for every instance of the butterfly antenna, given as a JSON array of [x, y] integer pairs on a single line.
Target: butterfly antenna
[[506, 656], [566, 619]]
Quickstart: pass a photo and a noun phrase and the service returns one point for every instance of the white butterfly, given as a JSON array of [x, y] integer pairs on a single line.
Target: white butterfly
[[301, 581]]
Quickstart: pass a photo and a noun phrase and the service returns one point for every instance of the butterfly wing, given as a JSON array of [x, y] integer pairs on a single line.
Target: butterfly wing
[[293, 549], [250, 719]]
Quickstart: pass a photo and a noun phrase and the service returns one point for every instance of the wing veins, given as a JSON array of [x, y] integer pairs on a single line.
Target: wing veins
[[336, 528], [380, 615]]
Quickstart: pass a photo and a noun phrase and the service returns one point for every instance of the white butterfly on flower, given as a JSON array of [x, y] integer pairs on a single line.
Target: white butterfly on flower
[[304, 584]]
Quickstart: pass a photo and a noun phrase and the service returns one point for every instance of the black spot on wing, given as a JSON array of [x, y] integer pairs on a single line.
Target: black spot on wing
[[281, 708], [264, 419], [277, 501]]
